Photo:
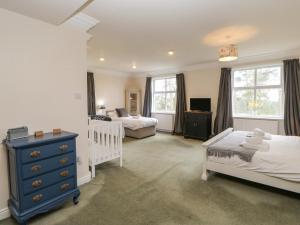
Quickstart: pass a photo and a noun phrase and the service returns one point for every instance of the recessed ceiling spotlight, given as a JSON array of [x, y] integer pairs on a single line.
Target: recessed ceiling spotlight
[[170, 53], [134, 67], [102, 59]]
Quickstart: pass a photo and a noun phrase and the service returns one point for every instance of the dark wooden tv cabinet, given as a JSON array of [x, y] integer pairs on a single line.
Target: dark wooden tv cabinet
[[197, 125]]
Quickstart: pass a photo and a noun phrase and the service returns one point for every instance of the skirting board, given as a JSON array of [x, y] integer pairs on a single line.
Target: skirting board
[[4, 213], [85, 179], [164, 131]]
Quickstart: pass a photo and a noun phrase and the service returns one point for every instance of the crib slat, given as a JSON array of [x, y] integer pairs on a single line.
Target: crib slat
[[105, 141]]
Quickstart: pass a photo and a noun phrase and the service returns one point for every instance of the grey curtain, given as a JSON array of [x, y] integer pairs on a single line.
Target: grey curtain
[[148, 98], [292, 97], [224, 118], [91, 99], [180, 104]]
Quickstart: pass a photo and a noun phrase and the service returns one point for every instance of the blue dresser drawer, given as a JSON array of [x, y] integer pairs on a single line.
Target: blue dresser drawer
[[42, 173], [38, 197], [48, 179], [46, 165], [45, 151]]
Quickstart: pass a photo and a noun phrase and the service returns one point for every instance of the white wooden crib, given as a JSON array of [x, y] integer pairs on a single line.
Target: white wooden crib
[[105, 142]]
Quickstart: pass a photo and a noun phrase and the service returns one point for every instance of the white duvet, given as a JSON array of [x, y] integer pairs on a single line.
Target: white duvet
[[281, 161], [136, 122]]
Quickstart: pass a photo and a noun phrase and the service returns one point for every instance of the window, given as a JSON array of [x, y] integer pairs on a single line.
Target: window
[[258, 92], [164, 95]]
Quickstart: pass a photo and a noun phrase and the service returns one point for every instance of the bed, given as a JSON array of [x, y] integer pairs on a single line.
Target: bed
[[135, 126], [278, 167]]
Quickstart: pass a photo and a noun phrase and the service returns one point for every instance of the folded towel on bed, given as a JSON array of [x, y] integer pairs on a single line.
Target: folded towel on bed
[[258, 132], [254, 140], [263, 147], [136, 117], [267, 136]]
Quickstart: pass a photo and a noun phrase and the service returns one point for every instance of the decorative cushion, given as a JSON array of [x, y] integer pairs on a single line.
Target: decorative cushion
[[98, 117], [122, 112]]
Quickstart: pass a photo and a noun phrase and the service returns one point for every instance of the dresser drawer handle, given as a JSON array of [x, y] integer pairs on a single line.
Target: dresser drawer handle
[[63, 147], [37, 198], [37, 183], [64, 187], [36, 168], [64, 173], [63, 161], [35, 154]]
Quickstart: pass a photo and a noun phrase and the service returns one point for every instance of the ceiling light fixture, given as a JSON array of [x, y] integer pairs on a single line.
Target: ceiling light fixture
[[228, 53], [170, 53], [102, 59], [134, 67]]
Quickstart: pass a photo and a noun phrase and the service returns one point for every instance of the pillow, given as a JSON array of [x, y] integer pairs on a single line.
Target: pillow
[[112, 114], [100, 117], [122, 112]]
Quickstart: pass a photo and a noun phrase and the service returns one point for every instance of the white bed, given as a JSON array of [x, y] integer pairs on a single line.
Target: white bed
[[136, 122], [136, 126], [279, 167]]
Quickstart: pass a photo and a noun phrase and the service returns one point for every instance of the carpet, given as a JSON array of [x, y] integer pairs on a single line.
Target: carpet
[[160, 185]]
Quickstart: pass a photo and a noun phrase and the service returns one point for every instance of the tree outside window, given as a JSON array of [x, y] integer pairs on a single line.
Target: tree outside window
[[164, 95], [258, 92]]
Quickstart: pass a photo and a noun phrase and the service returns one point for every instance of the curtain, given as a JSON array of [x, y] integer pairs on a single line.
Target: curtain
[[224, 118], [148, 98], [91, 94], [180, 104], [292, 97]]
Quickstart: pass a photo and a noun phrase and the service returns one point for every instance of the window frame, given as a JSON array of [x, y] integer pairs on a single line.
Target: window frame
[[259, 87], [153, 110]]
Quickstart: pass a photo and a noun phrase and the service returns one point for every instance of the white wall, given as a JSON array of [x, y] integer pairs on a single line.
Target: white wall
[[110, 90], [42, 83], [203, 83]]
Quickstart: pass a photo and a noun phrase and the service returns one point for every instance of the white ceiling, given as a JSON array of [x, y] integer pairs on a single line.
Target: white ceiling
[[51, 11], [143, 31]]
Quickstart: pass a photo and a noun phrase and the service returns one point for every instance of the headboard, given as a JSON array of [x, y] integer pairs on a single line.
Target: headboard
[[109, 111]]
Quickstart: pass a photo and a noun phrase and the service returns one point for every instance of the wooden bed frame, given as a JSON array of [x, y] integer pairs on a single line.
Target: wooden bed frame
[[242, 173], [140, 133]]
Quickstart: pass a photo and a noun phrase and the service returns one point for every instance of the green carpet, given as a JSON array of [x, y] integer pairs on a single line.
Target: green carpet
[[160, 185]]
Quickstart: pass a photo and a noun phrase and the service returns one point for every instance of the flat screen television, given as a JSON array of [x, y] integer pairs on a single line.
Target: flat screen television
[[201, 104]]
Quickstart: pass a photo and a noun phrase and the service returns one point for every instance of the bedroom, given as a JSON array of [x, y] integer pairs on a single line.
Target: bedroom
[[47, 50]]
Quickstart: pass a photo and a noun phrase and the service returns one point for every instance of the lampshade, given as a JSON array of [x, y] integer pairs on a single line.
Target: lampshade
[[228, 53]]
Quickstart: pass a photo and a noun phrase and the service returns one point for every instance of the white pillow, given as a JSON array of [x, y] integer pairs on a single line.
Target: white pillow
[[112, 114]]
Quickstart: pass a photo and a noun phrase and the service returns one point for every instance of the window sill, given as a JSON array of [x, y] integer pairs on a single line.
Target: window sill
[[166, 113], [258, 118]]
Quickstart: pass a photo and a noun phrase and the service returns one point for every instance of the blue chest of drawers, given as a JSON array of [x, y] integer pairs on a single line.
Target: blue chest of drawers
[[42, 173]]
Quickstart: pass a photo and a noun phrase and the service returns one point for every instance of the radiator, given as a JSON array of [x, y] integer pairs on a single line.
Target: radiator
[[270, 126], [165, 121]]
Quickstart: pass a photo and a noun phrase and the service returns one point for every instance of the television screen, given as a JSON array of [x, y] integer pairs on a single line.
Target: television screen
[[201, 104]]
